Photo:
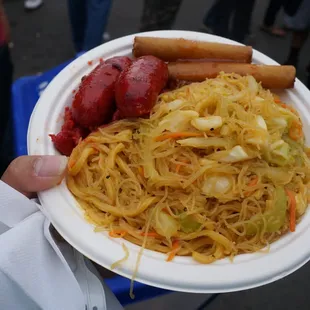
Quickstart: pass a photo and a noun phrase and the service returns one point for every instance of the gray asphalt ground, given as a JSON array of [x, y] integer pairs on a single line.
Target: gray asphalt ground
[[42, 40]]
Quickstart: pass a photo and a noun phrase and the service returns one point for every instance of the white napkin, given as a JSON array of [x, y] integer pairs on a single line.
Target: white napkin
[[34, 273]]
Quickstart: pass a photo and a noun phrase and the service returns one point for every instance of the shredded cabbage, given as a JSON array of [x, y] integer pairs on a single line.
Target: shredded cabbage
[[206, 175]]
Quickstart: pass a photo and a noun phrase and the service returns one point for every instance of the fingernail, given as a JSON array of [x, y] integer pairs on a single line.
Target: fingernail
[[50, 166]]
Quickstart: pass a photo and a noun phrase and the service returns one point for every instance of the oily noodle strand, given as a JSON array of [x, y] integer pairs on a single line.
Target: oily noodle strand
[[137, 180]]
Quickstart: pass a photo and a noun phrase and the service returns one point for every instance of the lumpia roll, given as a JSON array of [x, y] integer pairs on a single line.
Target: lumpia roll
[[270, 76], [176, 49]]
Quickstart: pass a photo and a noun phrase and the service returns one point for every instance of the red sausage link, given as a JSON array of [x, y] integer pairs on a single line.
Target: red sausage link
[[119, 62], [93, 104], [69, 136], [65, 141], [137, 88]]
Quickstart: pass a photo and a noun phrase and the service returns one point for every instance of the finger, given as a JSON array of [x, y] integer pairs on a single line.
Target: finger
[[30, 174]]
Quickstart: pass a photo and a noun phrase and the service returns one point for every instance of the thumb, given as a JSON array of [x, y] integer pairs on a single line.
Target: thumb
[[30, 174]]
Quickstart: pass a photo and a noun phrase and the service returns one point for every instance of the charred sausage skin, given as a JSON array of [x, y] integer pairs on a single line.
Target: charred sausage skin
[[138, 86]]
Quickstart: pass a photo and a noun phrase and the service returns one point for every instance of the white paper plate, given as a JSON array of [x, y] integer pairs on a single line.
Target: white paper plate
[[183, 274]]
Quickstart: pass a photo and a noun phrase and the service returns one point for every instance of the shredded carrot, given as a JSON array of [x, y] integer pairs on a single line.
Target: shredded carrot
[[253, 182], [178, 166], [96, 148], [141, 171], [117, 233], [174, 250], [295, 131], [150, 234], [292, 205], [292, 110], [176, 135], [171, 256], [285, 106], [175, 245], [166, 210], [277, 100], [71, 163]]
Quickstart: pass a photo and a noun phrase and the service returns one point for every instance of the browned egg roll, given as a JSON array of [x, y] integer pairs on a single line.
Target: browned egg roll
[[270, 76], [176, 49]]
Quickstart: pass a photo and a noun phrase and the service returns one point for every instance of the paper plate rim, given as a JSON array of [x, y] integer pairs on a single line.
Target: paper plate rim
[[183, 274]]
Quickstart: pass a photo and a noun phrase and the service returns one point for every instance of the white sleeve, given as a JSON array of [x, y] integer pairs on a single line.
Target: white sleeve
[[34, 274]]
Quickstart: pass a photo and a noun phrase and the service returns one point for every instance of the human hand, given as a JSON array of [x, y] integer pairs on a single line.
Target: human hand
[[31, 174]]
